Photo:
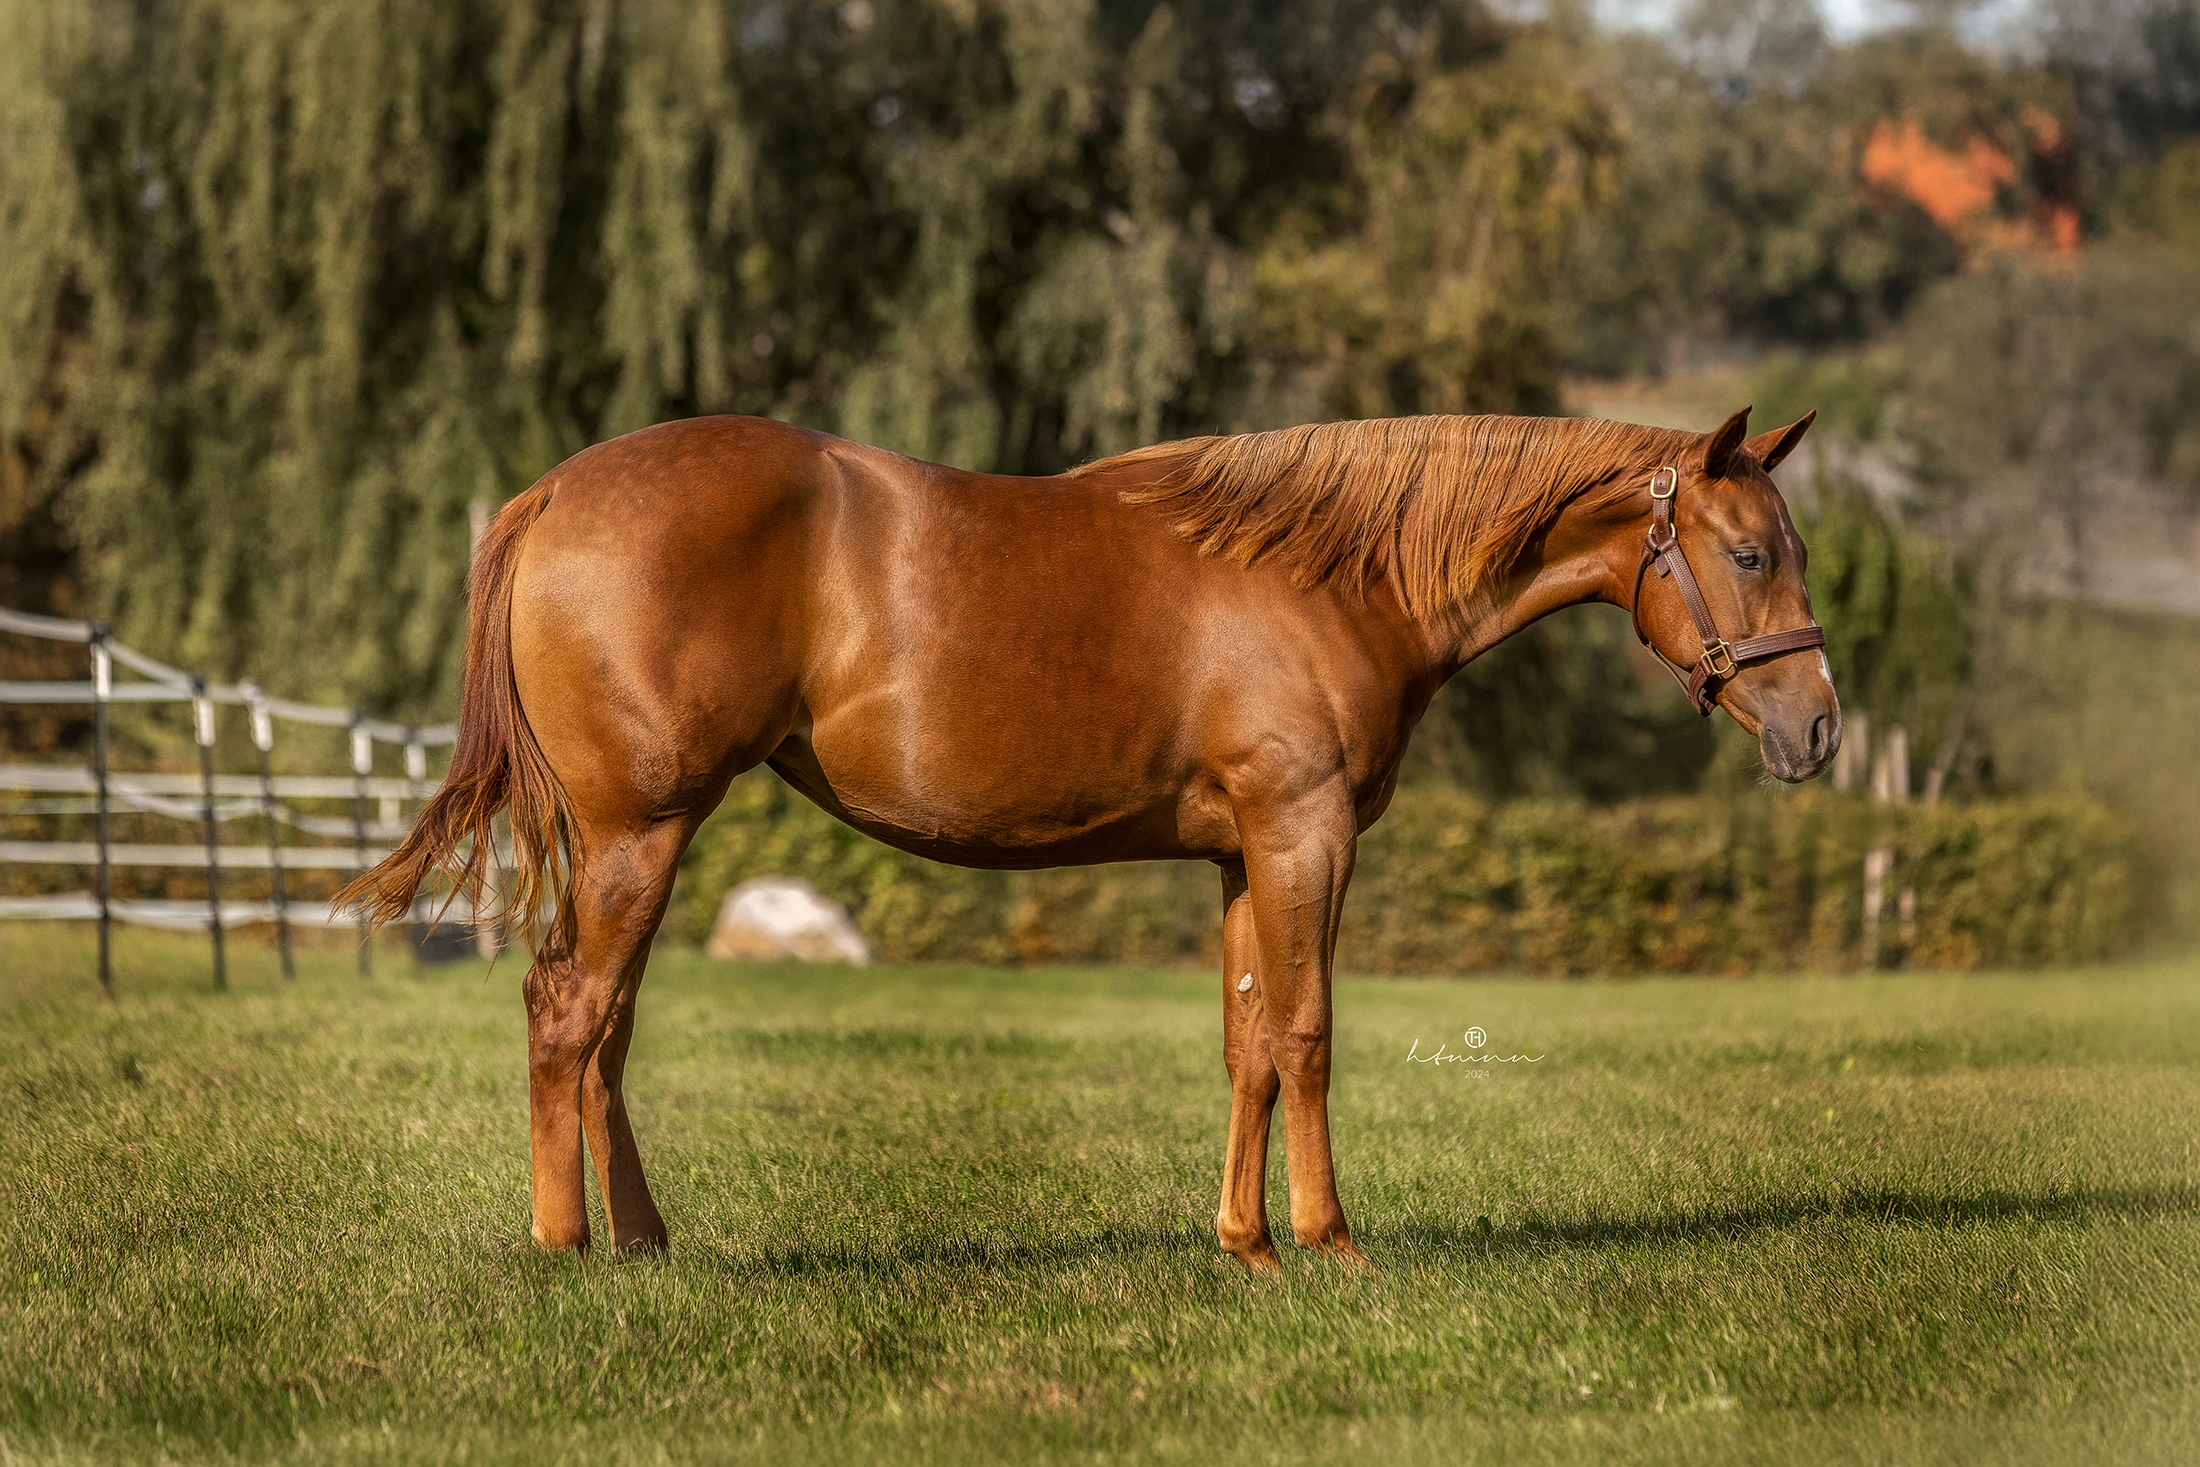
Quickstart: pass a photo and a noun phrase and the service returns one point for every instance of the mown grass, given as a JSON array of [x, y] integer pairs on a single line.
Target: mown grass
[[955, 1214]]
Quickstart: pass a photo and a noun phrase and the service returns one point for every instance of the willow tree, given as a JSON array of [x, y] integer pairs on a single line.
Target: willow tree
[[293, 286]]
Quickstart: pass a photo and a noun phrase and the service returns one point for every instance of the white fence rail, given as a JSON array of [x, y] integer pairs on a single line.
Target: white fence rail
[[191, 916], [228, 858], [208, 799]]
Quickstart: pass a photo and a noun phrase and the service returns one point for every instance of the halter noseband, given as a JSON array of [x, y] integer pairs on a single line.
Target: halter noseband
[[1721, 659]]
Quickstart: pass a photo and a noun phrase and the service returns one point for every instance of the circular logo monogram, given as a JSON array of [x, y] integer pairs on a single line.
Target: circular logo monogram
[[1476, 1038]]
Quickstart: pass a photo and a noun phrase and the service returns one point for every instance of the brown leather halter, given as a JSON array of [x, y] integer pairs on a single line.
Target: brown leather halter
[[1721, 659]]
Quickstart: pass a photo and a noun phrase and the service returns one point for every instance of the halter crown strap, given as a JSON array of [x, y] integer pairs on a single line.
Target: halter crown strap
[[1721, 659]]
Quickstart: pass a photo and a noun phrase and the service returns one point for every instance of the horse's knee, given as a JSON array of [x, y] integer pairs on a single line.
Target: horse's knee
[[1251, 1069], [1301, 1054]]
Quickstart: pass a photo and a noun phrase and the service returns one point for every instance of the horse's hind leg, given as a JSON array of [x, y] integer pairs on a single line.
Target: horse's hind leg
[[629, 1210], [580, 1015]]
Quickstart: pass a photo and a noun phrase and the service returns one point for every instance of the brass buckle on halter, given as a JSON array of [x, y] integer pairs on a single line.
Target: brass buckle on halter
[[1713, 653], [1672, 483]]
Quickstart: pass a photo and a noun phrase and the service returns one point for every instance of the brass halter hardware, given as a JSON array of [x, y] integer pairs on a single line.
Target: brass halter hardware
[[1721, 659]]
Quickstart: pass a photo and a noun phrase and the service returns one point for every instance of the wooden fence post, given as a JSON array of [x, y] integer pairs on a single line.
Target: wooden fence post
[[1890, 785], [1878, 864], [103, 687], [263, 740], [202, 729], [1852, 762], [362, 764]]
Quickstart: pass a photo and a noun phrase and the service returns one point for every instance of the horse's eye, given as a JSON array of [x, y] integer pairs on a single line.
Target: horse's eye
[[1749, 560]]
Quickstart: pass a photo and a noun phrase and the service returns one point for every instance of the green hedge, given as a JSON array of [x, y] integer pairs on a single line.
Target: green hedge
[[1449, 884]]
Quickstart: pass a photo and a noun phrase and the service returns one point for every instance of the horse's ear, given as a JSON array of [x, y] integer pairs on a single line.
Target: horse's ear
[[1769, 448], [1724, 442]]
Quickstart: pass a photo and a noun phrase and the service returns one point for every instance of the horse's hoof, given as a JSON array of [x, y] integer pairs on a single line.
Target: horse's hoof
[[1258, 1258], [1251, 1247], [1340, 1247], [1348, 1251]]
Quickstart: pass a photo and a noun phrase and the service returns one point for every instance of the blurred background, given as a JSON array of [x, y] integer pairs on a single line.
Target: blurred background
[[293, 294]]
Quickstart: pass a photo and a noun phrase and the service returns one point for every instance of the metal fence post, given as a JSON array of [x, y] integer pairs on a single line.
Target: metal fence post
[[103, 687], [362, 765], [202, 727], [263, 739]]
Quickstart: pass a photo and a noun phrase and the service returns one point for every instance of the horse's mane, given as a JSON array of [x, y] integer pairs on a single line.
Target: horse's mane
[[1447, 503]]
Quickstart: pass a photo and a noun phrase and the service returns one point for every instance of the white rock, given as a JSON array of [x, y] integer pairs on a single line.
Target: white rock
[[780, 917]]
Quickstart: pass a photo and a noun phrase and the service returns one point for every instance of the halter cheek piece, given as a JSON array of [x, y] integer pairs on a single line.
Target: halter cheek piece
[[1721, 659]]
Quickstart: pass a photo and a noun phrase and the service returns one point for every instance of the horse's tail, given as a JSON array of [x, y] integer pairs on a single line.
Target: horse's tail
[[495, 765]]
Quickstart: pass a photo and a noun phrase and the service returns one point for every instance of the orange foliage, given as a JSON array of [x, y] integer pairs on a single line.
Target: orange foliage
[[1951, 187], [1956, 189]]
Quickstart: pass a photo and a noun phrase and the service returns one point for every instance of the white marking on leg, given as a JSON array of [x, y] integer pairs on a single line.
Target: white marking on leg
[[1245, 984]]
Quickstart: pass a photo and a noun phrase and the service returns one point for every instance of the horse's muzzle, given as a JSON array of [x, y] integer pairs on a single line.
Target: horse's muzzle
[[1794, 749]]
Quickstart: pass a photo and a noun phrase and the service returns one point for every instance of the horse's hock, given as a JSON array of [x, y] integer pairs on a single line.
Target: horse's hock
[[780, 917]]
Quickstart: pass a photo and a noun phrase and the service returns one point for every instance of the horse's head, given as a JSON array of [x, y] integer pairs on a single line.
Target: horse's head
[[1719, 596]]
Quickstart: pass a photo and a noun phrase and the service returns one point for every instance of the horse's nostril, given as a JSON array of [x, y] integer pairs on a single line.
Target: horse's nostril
[[1821, 729]]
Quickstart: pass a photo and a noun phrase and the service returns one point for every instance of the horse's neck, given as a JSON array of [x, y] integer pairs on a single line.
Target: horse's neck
[[1580, 572]]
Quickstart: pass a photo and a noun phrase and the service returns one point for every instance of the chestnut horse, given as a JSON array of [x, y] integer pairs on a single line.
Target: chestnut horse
[[1211, 650]]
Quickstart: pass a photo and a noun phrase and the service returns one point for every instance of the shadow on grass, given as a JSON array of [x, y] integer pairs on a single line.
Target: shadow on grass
[[964, 1251], [1421, 1238], [1882, 1206]]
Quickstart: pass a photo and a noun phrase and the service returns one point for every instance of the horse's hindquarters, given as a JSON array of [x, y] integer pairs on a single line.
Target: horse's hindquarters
[[653, 618]]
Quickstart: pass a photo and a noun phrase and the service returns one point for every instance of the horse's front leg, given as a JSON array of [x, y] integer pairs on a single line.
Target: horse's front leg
[[1298, 861], [1242, 1221]]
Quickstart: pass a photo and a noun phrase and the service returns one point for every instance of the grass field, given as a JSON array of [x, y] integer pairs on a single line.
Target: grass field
[[957, 1215]]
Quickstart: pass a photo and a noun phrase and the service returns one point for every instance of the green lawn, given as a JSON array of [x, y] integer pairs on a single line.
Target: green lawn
[[953, 1214]]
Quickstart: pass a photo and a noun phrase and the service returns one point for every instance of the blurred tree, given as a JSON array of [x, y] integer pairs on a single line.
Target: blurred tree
[[2133, 67], [1899, 633], [2036, 396], [1853, 392], [1742, 210], [1427, 283], [2157, 202], [1740, 46], [300, 283]]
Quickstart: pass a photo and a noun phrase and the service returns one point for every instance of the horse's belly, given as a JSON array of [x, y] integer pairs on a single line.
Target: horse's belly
[[984, 803]]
